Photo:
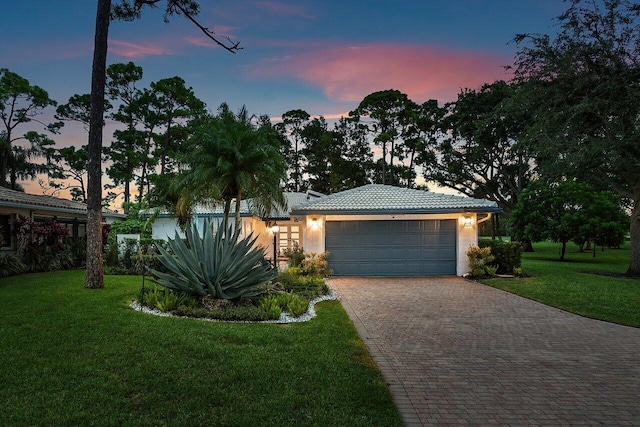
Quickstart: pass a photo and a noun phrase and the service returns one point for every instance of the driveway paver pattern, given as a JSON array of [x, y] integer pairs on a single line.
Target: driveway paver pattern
[[456, 352]]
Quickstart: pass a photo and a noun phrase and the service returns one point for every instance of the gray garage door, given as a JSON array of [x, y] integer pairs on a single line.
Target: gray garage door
[[391, 248]]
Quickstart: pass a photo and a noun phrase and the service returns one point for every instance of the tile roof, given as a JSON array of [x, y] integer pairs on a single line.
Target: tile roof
[[18, 199], [293, 199], [384, 199]]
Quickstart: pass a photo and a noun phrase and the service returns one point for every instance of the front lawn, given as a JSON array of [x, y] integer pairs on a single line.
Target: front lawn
[[580, 284], [72, 356]]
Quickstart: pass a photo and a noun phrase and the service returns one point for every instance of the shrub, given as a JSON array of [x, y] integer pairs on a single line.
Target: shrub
[[134, 256], [166, 299], [479, 262], [40, 245], [219, 264], [307, 286], [10, 265], [296, 306], [316, 265], [508, 255], [271, 306], [290, 302], [294, 255]]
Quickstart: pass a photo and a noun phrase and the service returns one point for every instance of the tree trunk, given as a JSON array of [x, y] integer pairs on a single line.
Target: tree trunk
[[392, 176], [526, 245], [225, 219], [4, 163], [94, 278], [634, 252], [384, 162], [563, 250], [165, 149], [238, 199]]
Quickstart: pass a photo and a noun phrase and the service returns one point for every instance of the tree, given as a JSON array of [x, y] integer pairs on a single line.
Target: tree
[[128, 150], [321, 153], [293, 122], [70, 163], [94, 268], [568, 211], [421, 132], [127, 10], [356, 167], [385, 110], [231, 159], [481, 155], [585, 96], [337, 159], [21, 103], [174, 104]]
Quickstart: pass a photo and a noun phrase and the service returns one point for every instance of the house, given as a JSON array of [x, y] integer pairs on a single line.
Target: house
[[69, 213], [373, 230], [381, 230]]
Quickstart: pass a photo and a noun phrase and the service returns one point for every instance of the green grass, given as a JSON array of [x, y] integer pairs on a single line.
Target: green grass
[[72, 356], [573, 285]]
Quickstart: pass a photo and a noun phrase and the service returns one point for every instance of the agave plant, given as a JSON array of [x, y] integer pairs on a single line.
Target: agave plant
[[219, 264]]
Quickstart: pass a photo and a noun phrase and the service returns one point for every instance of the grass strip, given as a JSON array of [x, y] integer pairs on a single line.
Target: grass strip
[[583, 284]]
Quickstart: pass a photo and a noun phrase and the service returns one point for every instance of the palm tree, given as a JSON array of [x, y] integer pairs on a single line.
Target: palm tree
[[232, 159]]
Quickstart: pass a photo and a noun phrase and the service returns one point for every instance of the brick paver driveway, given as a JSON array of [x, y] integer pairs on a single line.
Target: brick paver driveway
[[458, 352]]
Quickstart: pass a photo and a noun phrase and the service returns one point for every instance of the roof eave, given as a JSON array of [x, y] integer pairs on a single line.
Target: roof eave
[[393, 211], [42, 208]]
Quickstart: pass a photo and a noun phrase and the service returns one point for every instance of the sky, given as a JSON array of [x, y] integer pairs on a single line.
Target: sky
[[320, 56]]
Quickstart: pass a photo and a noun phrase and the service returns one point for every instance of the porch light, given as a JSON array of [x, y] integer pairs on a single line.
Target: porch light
[[314, 223], [274, 229], [467, 221]]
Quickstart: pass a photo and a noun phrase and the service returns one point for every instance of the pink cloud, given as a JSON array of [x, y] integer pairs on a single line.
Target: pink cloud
[[282, 9], [137, 50], [349, 73]]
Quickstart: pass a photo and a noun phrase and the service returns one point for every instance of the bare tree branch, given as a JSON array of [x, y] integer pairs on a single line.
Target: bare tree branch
[[232, 47]]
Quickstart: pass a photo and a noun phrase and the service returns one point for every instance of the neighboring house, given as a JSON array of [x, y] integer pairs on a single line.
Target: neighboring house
[[72, 215], [373, 230]]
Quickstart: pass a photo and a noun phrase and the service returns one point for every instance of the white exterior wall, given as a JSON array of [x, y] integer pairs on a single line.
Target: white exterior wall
[[313, 233], [314, 240], [265, 239], [165, 228]]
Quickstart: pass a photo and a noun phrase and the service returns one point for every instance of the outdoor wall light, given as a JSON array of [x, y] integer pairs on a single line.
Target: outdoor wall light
[[314, 223], [467, 221]]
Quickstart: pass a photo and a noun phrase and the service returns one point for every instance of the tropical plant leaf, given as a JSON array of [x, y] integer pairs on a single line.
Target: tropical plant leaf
[[221, 264]]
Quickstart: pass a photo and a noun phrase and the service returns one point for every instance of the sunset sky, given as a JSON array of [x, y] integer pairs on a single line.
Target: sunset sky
[[320, 56]]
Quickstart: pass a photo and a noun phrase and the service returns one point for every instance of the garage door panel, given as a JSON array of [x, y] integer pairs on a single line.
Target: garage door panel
[[392, 248]]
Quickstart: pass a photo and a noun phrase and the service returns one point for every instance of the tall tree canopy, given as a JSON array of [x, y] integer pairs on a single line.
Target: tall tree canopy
[[385, 114], [337, 159], [22, 103], [479, 152], [585, 96], [293, 122]]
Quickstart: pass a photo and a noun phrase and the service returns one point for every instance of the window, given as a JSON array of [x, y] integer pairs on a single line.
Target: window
[[5, 230], [288, 237]]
